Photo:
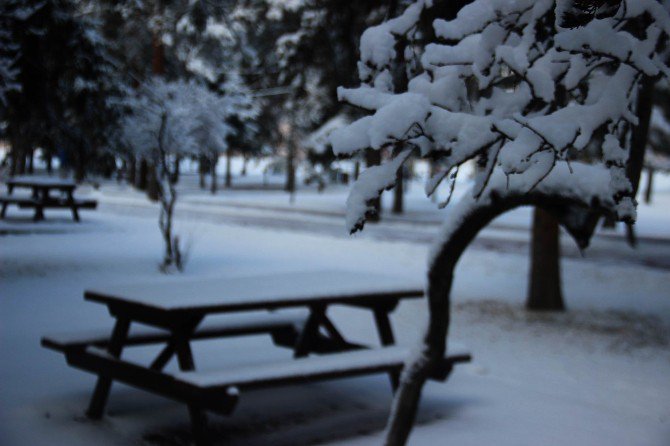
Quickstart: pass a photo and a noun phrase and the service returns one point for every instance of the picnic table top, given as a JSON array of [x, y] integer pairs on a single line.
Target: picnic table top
[[258, 292], [41, 181]]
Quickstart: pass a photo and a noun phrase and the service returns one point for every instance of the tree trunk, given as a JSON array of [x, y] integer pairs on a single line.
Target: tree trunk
[[290, 167], [609, 223], [357, 170], [31, 162], [174, 175], [21, 168], [80, 166], [374, 158], [202, 170], [49, 160], [142, 175], [229, 173], [153, 188], [132, 170], [650, 185], [158, 55], [13, 161], [245, 161], [638, 142], [544, 289], [212, 172], [645, 102], [398, 193]]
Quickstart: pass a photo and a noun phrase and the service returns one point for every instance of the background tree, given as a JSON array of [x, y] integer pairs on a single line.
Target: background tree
[[61, 103], [302, 52], [518, 88], [9, 49], [658, 150]]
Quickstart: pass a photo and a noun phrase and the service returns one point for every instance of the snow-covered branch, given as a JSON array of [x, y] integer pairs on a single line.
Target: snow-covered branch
[[508, 84]]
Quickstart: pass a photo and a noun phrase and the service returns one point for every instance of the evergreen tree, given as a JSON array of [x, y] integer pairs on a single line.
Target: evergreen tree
[[66, 85]]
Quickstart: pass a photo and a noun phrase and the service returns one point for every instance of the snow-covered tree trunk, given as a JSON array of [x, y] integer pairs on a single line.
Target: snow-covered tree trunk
[[544, 277], [465, 221]]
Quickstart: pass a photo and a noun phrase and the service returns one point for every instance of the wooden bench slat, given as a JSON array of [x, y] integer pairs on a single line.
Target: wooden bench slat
[[79, 204], [216, 327], [100, 362], [315, 368], [205, 388], [13, 199]]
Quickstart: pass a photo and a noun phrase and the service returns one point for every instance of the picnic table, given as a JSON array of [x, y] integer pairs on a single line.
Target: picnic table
[[290, 307], [41, 196]]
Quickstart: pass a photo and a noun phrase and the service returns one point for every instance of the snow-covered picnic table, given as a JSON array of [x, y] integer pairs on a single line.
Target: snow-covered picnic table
[[40, 198], [291, 307]]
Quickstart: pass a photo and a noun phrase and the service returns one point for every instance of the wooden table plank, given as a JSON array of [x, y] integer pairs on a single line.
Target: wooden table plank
[[258, 292], [42, 182]]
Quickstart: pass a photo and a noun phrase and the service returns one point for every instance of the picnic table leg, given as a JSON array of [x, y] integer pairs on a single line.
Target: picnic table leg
[[186, 363], [40, 195], [10, 188], [39, 213], [73, 206], [386, 336], [164, 356], [99, 399], [310, 331]]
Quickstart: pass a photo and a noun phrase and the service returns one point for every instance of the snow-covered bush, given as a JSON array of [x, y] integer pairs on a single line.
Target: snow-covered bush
[[518, 86], [169, 120]]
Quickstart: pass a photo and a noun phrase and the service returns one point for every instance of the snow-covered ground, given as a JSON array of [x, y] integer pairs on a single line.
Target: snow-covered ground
[[596, 375]]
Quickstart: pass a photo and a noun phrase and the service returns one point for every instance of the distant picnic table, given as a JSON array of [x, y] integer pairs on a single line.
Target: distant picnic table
[[176, 314], [41, 196]]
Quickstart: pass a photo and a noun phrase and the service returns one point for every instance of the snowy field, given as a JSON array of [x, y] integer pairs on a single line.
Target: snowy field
[[596, 375]]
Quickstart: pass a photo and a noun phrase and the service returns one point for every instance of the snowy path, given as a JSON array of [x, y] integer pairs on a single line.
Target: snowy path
[[652, 252]]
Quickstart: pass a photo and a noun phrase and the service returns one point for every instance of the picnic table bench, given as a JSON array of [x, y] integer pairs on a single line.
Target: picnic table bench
[[41, 197], [290, 307]]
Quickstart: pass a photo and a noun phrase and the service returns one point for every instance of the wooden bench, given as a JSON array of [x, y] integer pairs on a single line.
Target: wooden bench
[[218, 391]]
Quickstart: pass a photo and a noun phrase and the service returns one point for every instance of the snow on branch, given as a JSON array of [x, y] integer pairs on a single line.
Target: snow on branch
[[521, 87], [189, 118]]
